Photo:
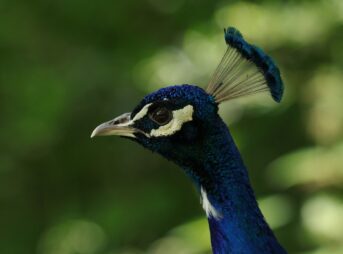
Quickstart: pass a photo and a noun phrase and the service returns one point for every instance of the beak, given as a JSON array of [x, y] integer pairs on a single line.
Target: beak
[[120, 126]]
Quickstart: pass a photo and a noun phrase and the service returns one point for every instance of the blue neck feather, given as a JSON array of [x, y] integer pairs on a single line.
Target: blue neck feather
[[206, 151], [221, 172]]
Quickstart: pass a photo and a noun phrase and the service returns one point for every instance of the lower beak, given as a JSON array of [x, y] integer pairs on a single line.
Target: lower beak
[[120, 126]]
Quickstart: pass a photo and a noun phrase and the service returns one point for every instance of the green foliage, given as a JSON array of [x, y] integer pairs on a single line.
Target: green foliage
[[68, 65]]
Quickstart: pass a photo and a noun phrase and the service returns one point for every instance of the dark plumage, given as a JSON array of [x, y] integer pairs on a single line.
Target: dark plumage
[[182, 124]]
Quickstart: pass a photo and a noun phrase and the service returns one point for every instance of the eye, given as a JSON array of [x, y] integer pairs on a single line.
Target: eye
[[161, 116]]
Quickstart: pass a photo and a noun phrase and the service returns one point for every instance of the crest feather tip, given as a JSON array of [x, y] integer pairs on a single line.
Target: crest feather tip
[[244, 69]]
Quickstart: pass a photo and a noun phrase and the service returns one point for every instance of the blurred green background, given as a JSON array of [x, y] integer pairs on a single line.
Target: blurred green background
[[68, 65]]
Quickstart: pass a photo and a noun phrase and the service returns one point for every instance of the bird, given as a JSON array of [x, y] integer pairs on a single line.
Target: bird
[[182, 123]]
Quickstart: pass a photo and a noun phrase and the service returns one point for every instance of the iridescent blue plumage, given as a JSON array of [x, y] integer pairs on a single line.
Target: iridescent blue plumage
[[182, 124], [252, 53], [205, 150]]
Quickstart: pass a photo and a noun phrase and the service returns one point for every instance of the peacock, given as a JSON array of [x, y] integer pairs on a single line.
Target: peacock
[[181, 123]]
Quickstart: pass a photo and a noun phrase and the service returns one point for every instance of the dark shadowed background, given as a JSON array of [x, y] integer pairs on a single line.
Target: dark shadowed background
[[68, 65]]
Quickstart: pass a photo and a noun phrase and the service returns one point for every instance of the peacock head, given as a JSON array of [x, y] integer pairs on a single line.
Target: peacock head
[[172, 121], [169, 121]]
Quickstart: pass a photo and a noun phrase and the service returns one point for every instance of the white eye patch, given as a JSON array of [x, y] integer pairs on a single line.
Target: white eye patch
[[180, 117], [142, 113]]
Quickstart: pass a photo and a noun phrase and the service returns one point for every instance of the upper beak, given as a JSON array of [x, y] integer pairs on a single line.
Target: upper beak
[[121, 126]]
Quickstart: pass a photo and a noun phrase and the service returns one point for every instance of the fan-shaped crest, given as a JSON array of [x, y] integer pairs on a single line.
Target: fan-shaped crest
[[244, 69]]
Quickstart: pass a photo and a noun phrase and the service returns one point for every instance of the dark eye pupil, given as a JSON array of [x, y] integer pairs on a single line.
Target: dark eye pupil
[[161, 116]]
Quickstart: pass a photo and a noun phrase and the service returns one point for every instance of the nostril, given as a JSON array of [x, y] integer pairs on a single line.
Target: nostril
[[119, 121], [123, 119]]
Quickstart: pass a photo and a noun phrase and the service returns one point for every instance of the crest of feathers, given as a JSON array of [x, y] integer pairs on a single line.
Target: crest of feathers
[[244, 69]]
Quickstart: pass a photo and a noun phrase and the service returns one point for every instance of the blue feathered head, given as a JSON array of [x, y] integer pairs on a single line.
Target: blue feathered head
[[175, 120]]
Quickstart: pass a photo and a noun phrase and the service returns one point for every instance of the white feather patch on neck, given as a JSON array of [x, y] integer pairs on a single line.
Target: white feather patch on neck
[[207, 206], [180, 117]]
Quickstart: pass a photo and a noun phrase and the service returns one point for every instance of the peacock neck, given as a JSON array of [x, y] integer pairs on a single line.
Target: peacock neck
[[236, 222]]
